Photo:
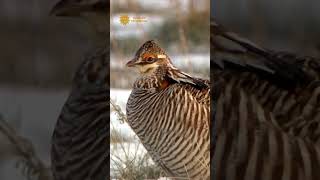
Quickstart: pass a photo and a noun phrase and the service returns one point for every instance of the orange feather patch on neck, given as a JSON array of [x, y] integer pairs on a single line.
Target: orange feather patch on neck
[[164, 84]]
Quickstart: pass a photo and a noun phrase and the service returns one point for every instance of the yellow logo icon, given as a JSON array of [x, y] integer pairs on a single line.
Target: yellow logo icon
[[124, 19]]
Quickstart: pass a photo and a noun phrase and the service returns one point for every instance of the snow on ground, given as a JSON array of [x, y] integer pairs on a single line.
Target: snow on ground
[[125, 151], [120, 97]]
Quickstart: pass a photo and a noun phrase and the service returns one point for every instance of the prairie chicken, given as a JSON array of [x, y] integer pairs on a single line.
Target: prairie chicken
[[267, 117], [80, 139], [169, 111], [80, 148]]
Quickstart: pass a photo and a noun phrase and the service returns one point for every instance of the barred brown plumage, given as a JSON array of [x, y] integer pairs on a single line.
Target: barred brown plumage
[[267, 111], [169, 111], [79, 143], [80, 140]]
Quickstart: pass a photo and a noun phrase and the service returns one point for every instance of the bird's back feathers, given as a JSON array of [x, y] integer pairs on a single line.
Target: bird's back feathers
[[233, 53], [263, 98]]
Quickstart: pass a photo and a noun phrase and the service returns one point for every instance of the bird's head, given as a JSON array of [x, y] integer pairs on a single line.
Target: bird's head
[[94, 12], [149, 57], [93, 72]]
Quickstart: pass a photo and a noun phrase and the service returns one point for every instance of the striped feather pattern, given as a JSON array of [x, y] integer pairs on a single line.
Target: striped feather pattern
[[80, 139], [169, 111], [251, 144], [267, 111], [173, 126]]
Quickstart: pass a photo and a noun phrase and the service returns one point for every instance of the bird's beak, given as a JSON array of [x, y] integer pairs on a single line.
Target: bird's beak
[[131, 63]]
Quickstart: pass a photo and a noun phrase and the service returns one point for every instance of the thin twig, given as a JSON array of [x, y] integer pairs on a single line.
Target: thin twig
[[33, 167]]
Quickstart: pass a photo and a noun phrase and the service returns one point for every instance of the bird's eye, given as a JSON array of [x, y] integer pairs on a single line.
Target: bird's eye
[[149, 59]]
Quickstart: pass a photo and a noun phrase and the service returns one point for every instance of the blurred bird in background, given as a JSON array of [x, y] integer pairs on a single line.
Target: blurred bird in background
[[169, 111], [80, 139], [94, 12], [266, 124]]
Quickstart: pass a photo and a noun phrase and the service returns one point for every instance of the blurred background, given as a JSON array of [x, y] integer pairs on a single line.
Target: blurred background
[[39, 54], [181, 27], [286, 25]]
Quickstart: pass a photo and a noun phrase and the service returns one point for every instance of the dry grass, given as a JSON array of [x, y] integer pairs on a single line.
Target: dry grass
[[32, 167], [129, 160]]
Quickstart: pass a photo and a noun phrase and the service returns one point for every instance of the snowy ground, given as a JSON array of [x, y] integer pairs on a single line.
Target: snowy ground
[[120, 97], [33, 112], [126, 151]]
